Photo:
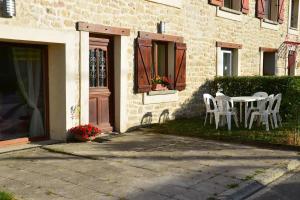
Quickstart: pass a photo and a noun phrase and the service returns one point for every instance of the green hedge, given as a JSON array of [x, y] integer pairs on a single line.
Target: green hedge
[[245, 86]]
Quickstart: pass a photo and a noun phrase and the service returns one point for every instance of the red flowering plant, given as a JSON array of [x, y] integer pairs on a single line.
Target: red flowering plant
[[84, 132]]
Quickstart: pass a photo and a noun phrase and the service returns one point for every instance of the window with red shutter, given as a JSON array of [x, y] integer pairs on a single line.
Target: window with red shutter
[[238, 5], [160, 62], [143, 65], [270, 9], [180, 66]]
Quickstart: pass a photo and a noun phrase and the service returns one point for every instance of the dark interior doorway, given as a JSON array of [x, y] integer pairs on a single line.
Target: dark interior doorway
[[23, 91]]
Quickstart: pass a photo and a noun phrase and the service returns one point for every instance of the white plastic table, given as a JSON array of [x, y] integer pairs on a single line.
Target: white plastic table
[[245, 100]]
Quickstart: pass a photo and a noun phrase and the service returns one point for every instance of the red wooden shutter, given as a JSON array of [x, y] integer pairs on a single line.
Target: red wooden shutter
[[216, 2], [245, 6], [281, 11], [180, 66], [260, 9], [143, 65]]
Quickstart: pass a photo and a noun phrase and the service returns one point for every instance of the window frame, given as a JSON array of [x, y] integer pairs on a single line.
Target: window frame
[[235, 57], [227, 51], [264, 50], [155, 58]]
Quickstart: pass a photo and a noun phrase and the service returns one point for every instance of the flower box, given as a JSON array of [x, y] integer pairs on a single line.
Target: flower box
[[158, 87]]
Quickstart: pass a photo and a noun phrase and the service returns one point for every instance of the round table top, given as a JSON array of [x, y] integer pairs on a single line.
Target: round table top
[[246, 98]]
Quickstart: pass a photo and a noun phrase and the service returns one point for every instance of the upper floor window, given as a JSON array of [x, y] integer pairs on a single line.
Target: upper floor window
[[294, 14], [238, 5], [271, 10]]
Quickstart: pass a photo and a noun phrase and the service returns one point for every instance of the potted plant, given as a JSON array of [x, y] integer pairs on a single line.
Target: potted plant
[[84, 133], [160, 83]]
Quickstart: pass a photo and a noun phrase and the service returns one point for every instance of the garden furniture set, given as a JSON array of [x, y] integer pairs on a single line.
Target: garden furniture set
[[260, 107]]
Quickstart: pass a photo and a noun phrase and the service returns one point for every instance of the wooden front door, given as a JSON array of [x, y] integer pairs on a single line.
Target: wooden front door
[[101, 94]]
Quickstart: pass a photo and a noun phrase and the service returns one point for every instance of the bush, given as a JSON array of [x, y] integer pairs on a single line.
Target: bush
[[6, 196], [246, 86]]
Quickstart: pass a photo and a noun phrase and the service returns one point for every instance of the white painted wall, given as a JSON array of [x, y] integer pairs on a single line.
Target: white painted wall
[[63, 71]]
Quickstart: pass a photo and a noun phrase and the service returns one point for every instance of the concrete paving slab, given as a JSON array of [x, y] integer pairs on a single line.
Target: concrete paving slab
[[136, 166]]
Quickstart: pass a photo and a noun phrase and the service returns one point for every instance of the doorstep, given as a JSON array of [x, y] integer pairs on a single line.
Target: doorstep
[[30, 145]]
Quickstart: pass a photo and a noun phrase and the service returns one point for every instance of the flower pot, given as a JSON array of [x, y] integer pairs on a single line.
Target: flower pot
[[81, 139], [158, 87]]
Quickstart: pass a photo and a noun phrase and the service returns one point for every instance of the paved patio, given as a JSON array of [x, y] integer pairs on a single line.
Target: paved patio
[[135, 166]]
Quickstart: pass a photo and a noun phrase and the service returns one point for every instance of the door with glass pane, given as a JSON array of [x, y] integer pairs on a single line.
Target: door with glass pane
[[227, 62], [23, 91], [101, 95]]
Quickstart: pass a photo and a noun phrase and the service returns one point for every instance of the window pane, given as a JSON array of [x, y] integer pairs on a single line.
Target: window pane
[[267, 9], [274, 10], [227, 64], [228, 3], [93, 68], [161, 60], [102, 68], [294, 13]]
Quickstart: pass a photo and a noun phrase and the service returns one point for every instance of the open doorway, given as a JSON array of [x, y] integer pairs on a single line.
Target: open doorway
[[23, 91]]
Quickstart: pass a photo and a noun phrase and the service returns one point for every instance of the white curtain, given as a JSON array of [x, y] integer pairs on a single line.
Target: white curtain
[[28, 65]]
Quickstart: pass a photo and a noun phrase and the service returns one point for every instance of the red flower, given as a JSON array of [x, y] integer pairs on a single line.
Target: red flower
[[84, 131]]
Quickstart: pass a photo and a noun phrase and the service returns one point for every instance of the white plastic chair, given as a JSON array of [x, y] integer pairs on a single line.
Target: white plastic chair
[[264, 112], [257, 106], [225, 108], [275, 110], [219, 94], [211, 106]]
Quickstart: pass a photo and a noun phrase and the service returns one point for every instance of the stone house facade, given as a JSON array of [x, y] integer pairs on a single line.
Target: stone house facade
[[220, 37]]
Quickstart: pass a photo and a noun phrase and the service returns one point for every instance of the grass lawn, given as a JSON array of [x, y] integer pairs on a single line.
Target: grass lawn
[[6, 196], [286, 135]]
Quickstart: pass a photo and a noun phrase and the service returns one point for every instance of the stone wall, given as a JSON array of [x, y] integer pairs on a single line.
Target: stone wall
[[196, 21]]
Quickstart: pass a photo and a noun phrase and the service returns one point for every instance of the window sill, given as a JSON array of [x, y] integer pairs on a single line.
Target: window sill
[[269, 24], [161, 92], [171, 3], [155, 97], [229, 14], [293, 31]]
